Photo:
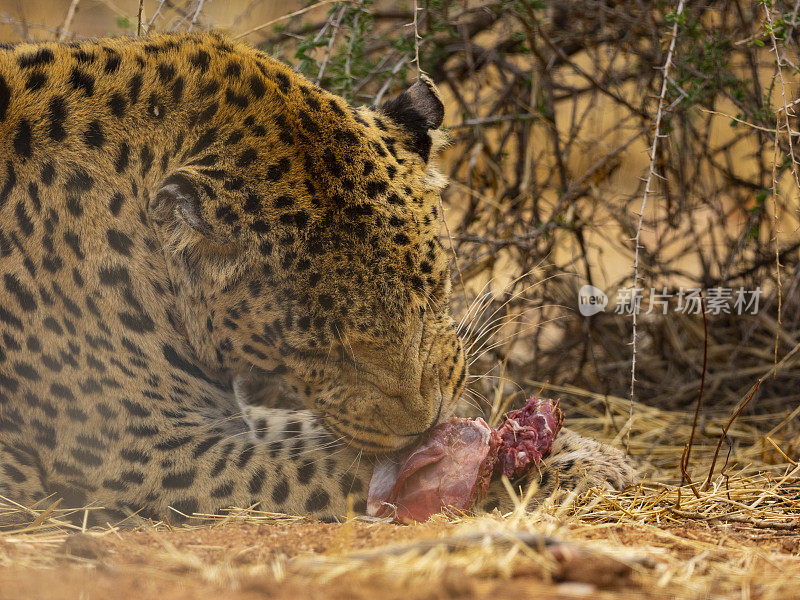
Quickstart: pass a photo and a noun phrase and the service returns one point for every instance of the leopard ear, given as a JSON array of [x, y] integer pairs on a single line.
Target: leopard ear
[[199, 236], [419, 109], [180, 201]]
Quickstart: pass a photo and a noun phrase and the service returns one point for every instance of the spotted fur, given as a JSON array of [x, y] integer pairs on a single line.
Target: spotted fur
[[185, 221]]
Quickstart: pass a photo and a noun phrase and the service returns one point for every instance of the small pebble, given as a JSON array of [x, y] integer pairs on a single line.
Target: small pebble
[[82, 545]]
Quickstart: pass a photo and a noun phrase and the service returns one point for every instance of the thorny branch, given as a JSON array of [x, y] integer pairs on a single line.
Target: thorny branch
[[651, 173]]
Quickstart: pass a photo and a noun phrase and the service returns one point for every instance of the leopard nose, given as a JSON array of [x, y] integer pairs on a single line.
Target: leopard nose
[[415, 407], [411, 419]]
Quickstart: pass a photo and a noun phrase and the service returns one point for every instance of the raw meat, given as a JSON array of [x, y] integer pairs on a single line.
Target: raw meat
[[527, 435], [452, 467]]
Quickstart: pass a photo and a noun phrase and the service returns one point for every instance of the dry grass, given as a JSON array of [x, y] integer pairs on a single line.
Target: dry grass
[[738, 539]]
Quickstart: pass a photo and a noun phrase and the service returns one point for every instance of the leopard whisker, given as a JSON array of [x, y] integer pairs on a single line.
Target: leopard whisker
[[504, 379], [491, 328], [480, 306], [499, 343], [471, 401], [501, 322], [331, 444], [476, 395], [491, 295], [476, 301], [516, 295]]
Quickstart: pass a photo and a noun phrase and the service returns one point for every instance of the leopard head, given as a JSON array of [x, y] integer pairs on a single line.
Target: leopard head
[[304, 242]]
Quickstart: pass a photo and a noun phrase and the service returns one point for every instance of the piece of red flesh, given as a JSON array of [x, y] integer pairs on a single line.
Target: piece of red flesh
[[452, 467], [527, 435]]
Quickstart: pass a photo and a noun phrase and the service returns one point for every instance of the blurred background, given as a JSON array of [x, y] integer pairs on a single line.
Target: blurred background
[[551, 111]]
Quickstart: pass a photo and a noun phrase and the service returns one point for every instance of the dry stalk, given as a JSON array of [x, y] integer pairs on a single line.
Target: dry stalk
[[417, 37], [291, 15], [64, 30], [687, 455], [156, 14], [651, 173], [335, 23], [789, 133], [139, 18]]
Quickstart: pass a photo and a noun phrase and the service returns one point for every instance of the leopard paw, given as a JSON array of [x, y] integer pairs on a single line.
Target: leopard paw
[[574, 463]]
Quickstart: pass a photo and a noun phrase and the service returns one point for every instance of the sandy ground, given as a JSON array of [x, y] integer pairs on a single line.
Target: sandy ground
[[305, 559]]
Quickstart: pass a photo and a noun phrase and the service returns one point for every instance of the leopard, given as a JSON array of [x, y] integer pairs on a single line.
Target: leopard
[[222, 286]]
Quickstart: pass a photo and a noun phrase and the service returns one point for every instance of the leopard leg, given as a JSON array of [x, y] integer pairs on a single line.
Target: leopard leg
[[284, 462], [20, 479], [574, 463]]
